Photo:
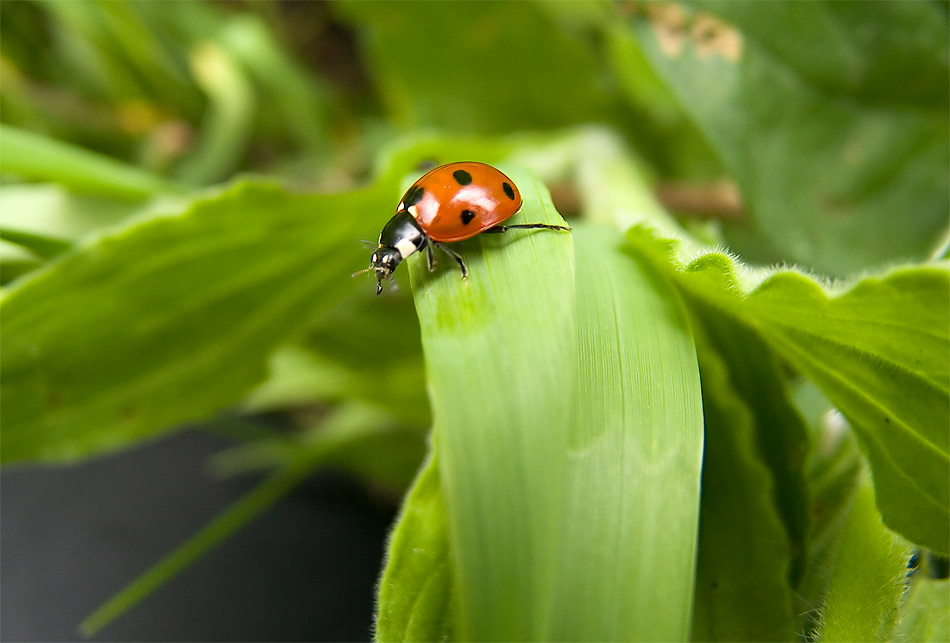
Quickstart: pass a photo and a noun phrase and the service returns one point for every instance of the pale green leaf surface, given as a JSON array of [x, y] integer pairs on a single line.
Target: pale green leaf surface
[[868, 578], [742, 570], [836, 134], [182, 308], [925, 614], [414, 601], [500, 350], [635, 456]]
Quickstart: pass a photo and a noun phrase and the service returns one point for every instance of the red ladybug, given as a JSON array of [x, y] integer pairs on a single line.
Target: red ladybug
[[453, 202]]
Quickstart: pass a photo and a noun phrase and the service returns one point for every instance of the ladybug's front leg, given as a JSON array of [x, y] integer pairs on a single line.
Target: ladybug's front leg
[[455, 256], [430, 257]]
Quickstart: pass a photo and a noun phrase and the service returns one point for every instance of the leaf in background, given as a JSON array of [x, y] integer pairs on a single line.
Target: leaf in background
[[868, 579], [499, 67], [171, 319], [33, 157], [779, 435], [745, 554], [831, 116], [880, 351], [926, 612], [415, 599]]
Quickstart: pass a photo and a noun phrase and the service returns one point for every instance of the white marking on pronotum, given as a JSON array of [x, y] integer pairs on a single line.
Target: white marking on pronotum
[[399, 207], [413, 211], [405, 247]]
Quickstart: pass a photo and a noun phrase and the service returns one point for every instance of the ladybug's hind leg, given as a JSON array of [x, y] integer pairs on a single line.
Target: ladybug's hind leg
[[455, 256]]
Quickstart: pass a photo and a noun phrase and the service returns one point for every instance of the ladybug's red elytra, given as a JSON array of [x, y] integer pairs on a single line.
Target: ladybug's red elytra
[[453, 202]]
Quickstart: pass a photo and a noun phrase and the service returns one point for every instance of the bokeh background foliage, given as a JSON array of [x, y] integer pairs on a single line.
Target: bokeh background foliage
[[581, 388]]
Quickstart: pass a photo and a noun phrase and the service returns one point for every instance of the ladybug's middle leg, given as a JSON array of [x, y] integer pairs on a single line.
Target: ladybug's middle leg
[[455, 256]]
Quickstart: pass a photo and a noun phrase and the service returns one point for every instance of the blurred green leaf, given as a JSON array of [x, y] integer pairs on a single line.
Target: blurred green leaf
[[745, 555], [831, 116], [868, 579], [779, 435], [415, 598], [182, 308], [51, 212], [926, 612], [479, 66], [33, 157]]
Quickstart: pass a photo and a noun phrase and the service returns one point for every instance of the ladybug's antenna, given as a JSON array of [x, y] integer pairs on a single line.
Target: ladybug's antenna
[[363, 271]]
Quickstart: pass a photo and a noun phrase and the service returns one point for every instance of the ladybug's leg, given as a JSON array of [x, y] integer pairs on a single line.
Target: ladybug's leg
[[455, 256], [430, 256], [543, 226]]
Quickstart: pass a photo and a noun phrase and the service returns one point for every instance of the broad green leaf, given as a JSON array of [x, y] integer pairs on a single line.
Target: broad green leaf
[[831, 116], [499, 66], [500, 350], [171, 319], [743, 591], [415, 598], [30, 156], [635, 454], [836, 471], [879, 351], [366, 348], [513, 439], [868, 578], [925, 613], [780, 434]]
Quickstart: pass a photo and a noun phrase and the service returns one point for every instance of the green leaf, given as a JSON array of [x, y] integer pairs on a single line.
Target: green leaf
[[635, 454], [780, 436], [415, 600], [868, 577], [49, 210], [34, 157], [743, 591], [526, 411], [831, 117], [926, 612], [500, 351], [879, 351], [500, 66], [183, 308]]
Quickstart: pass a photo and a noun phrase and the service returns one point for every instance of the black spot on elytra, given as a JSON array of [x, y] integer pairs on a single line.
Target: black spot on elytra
[[508, 190], [413, 196], [463, 177], [467, 216]]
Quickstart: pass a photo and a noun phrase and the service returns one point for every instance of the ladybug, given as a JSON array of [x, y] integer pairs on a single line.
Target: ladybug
[[453, 202]]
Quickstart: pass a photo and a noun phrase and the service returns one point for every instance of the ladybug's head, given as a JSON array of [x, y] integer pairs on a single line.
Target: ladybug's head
[[384, 261], [401, 237]]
